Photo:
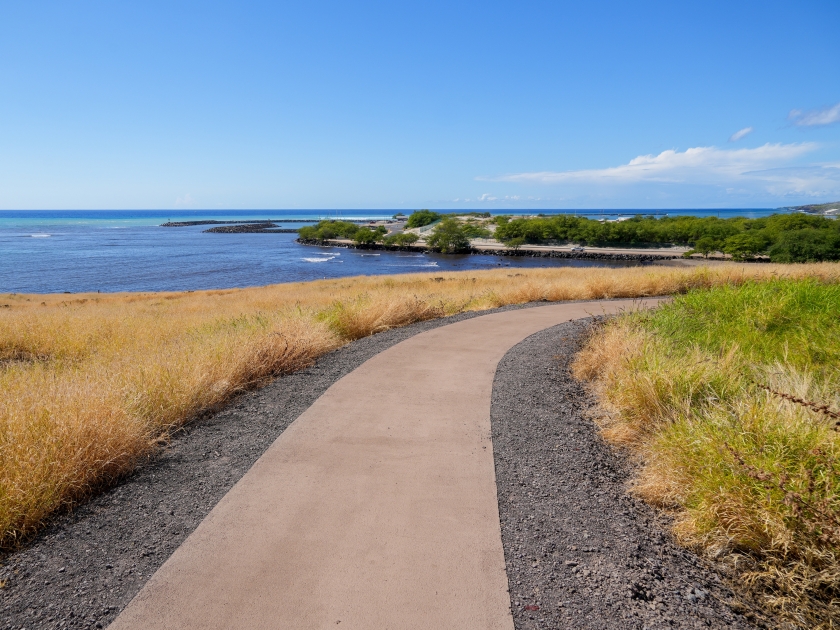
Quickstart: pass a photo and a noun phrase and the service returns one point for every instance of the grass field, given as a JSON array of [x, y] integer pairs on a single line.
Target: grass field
[[90, 384], [729, 398]]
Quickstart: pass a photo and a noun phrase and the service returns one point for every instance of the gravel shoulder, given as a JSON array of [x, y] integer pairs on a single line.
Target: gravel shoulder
[[581, 552]]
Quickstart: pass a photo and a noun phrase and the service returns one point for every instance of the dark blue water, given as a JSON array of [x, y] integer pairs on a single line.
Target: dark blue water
[[75, 250]]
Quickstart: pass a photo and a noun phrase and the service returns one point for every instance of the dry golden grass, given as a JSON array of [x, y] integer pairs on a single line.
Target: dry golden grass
[[89, 384]]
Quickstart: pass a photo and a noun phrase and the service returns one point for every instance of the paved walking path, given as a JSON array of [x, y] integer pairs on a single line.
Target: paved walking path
[[375, 509]]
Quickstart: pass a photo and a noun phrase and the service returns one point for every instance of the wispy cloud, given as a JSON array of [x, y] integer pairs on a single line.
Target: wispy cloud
[[696, 165], [815, 117], [816, 180], [771, 170], [740, 134], [501, 199], [487, 197], [185, 202]]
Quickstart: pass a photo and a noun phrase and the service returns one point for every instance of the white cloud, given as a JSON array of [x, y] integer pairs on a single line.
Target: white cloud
[[815, 117], [740, 134], [768, 171], [487, 197], [696, 165]]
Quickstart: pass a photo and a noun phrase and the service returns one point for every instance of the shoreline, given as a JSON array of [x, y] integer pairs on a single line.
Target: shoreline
[[539, 251], [248, 221], [668, 256]]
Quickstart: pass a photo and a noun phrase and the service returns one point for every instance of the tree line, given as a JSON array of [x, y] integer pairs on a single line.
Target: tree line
[[783, 237]]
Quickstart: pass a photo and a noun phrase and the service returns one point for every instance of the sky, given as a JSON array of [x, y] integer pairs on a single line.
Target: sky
[[479, 105]]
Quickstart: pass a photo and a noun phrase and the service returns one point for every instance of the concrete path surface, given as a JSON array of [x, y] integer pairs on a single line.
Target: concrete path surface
[[375, 509]]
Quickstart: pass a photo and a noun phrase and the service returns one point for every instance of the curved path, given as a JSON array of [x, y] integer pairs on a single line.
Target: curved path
[[376, 508]]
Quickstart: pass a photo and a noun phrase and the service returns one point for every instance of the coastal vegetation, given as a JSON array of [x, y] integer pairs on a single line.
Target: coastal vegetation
[[421, 218], [728, 397], [452, 236], [367, 236], [90, 384], [326, 230], [782, 237], [402, 239], [329, 229]]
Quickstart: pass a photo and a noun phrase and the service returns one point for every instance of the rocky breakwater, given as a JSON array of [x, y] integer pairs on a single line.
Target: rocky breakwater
[[642, 256], [248, 221], [251, 228]]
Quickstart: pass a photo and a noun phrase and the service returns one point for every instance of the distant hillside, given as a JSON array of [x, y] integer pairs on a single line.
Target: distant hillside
[[817, 208]]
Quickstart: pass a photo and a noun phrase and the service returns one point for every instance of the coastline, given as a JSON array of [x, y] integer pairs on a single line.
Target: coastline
[[533, 251]]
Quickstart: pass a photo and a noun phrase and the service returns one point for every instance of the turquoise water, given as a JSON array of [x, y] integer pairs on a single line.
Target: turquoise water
[[53, 251], [135, 218]]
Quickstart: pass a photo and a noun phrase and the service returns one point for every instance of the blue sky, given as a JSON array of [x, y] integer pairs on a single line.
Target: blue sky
[[484, 105]]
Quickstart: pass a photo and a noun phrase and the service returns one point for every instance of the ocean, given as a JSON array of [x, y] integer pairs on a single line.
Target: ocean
[[54, 251]]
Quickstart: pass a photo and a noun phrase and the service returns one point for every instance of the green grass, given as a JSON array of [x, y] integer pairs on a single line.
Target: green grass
[[793, 322], [752, 478]]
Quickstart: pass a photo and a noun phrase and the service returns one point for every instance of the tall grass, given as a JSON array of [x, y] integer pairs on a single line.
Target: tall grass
[[90, 384], [728, 396]]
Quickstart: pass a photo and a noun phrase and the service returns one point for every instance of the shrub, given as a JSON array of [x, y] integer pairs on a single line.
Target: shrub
[[403, 238], [744, 246], [706, 245], [367, 236], [746, 237], [515, 243], [471, 230], [448, 236], [324, 230], [806, 245], [419, 218]]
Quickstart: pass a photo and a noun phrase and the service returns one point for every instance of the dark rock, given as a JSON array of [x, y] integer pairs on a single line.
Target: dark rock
[[584, 255], [263, 227]]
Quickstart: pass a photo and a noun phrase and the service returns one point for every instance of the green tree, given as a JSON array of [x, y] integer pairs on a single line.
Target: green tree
[[324, 230], [366, 236], [403, 238], [706, 245], [471, 230], [515, 243], [448, 236], [745, 245], [419, 218], [807, 245]]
